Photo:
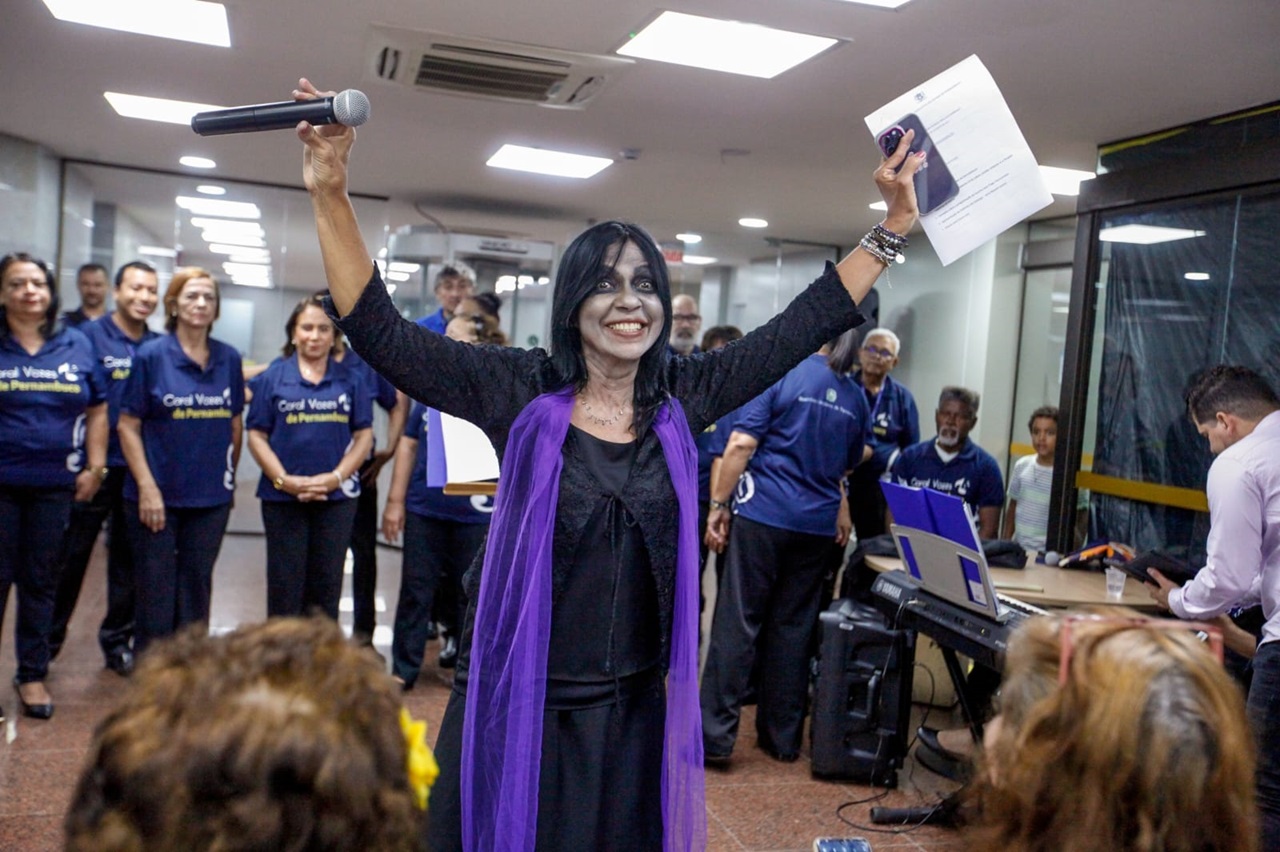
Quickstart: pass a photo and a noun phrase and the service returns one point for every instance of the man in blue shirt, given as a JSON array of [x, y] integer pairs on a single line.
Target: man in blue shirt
[[453, 284], [953, 464], [895, 426], [802, 437], [115, 340], [91, 282]]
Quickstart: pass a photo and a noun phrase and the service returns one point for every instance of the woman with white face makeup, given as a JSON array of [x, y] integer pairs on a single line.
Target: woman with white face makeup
[[180, 429], [574, 720], [53, 449]]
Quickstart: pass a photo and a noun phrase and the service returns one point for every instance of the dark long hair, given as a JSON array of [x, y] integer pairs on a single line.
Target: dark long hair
[[50, 323], [316, 300], [592, 255]]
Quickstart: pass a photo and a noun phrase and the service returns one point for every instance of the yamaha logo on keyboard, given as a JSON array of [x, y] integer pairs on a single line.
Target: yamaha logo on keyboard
[[888, 591]]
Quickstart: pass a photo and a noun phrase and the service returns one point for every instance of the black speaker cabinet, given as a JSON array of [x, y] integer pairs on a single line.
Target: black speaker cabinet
[[862, 701]]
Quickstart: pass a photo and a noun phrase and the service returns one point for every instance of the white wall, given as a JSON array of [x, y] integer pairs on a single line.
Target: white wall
[[28, 199]]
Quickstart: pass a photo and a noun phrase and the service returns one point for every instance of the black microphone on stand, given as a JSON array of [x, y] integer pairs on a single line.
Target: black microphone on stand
[[349, 107]]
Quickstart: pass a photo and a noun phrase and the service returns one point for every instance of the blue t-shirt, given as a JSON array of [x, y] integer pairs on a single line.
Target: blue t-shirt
[[895, 422], [309, 425], [422, 499], [43, 398], [711, 443], [973, 475], [436, 322], [811, 427], [116, 351], [186, 413]]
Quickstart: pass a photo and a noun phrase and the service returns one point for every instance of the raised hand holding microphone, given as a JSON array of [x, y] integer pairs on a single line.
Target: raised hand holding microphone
[[349, 107]]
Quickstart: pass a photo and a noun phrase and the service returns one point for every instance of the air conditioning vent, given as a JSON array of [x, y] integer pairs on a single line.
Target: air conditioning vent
[[490, 69]]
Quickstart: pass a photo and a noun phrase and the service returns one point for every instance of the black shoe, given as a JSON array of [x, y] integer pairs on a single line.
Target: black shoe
[[35, 711], [780, 756], [121, 662], [449, 653], [928, 737], [715, 760]]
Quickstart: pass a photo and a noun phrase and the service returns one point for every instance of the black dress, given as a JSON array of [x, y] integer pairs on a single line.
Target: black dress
[[613, 561]]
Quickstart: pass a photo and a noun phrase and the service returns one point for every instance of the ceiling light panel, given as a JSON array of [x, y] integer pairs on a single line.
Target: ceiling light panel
[[880, 4], [218, 207], [1064, 181], [155, 109], [1145, 235], [544, 161], [730, 46], [182, 20]]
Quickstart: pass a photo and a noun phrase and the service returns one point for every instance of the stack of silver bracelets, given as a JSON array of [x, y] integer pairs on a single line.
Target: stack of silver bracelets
[[884, 245]]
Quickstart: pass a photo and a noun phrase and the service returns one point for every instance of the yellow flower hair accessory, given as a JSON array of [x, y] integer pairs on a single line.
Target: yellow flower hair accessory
[[420, 762]]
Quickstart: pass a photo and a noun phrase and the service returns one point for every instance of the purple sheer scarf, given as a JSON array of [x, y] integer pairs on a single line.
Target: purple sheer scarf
[[507, 679]]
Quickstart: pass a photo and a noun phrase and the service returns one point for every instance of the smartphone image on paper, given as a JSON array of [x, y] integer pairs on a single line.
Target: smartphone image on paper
[[934, 184], [841, 844]]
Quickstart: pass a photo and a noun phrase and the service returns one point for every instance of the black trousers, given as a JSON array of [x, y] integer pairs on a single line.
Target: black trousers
[[32, 523], [768, 604], [115, 634], [306, 546], [364, 560], [436, 555], [173, 568], [866, 503]]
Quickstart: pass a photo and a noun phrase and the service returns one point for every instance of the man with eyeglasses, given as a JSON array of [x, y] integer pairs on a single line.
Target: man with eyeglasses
[[686, 322], [953, 464], [1239, 414], [895, 425]]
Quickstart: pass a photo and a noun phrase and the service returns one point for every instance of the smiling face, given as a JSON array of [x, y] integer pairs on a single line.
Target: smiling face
[[197, 305], [313, 334], [25, 291], [877, 357], [622, 318], [137, 295], [954, 421]]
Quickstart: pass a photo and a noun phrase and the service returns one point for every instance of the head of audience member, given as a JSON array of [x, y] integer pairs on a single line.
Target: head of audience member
[[1225, 403], [587, 280], [309, 330], [686, 322], [720, 335], [476, 320], [453, 284], [137, 291], [191, 300], [878, 355], [91, 281], [1144, 745], [1044, 432], [842, 352], [26, 293], [956, 416], [279, 735]]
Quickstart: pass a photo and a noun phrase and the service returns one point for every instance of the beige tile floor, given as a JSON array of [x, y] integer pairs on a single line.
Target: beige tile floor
[[755, 804]]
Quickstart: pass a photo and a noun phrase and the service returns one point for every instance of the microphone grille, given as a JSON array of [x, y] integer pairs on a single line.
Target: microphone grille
[[351, 107]]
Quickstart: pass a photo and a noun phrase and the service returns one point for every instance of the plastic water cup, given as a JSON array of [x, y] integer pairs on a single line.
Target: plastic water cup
[[1115, 583]]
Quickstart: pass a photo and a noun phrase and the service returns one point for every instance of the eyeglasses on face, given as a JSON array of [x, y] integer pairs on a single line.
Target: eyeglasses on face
[[686, 317], [1210, 633], [877, 352]]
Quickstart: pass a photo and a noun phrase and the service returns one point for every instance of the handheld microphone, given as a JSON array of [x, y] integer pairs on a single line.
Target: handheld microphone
[[349, 107]]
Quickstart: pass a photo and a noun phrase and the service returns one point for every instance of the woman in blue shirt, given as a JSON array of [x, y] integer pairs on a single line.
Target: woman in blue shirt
[[53, 449], [310, 428], [180, 429]]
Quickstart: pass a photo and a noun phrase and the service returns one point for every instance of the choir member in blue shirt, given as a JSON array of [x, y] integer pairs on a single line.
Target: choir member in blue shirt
[[180, 430], [53, 449], [310, 429], [116, 338], [453, 284], [895, 425]]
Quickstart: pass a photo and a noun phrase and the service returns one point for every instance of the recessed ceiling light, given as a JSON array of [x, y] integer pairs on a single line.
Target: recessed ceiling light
[[210, 189], [406, 268], [1145, 235], [1064, 181], [880, 4], [1196, 276], [879, 205], [183, 20], [218, 207], [544, 161], [689, 239], [239, 226], [248, 258], [155, 109], [398, 276], [232, 238], [731, 46], [749, 222], [197, 162], [157, 251], [699, 260], [243, 251]]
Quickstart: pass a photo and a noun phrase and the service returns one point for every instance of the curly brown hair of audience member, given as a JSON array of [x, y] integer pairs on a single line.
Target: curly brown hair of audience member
[[1145, 748], [276, 736]]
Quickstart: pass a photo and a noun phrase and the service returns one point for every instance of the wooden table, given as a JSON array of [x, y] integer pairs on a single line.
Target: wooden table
[[1049, 587]]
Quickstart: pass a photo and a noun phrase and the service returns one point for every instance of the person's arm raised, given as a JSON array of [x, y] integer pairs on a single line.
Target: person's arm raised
[[895, 179], [347, 262]]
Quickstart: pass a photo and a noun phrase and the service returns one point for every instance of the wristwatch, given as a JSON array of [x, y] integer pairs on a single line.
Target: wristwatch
[[102, 472], [718, 504], [278, 482]]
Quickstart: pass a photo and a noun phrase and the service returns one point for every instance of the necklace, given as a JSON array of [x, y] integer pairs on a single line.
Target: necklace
[[600, 419]]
